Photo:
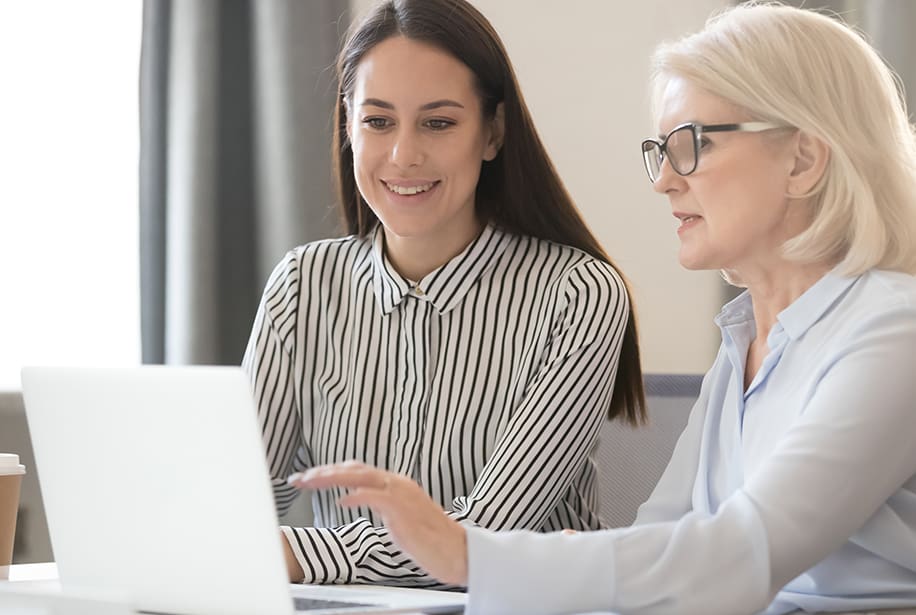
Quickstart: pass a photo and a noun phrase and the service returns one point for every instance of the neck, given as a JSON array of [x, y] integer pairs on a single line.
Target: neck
[[773, 289], [416, 257]]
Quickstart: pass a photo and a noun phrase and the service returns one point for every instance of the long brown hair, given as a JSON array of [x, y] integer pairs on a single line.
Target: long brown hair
[[518, 191]]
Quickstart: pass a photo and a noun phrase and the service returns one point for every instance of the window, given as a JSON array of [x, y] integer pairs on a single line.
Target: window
[[69, 146]]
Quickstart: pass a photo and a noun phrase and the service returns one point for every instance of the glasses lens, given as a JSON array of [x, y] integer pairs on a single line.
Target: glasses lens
[[652, 156], [682, 153]]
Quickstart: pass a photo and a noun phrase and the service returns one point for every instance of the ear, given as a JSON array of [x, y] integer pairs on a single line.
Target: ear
[[811, 158], [497, 133]]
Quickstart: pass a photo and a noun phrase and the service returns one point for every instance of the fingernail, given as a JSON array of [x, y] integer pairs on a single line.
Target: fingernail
[[294, 478]]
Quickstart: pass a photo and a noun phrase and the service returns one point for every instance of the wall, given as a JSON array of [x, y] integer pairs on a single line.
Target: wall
[[583, 67]]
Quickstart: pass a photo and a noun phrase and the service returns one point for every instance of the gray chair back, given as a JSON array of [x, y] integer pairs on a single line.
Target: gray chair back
[[631, 460]]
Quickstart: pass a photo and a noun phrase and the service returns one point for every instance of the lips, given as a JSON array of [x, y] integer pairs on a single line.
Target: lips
[[686, 220], [685, 217], [409, 188]]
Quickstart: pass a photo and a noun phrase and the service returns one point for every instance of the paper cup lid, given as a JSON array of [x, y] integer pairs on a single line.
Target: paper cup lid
[[9, 464]]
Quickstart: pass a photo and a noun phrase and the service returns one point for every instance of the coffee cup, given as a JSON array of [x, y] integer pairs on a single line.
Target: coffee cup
[[11, 472]]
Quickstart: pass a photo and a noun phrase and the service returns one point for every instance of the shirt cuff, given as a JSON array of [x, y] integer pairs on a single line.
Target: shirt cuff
[[321, 554]]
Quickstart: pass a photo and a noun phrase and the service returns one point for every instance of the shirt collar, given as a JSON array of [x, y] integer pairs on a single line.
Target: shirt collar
[[814, 303], [737, 311], [801, 314], [444, 287]]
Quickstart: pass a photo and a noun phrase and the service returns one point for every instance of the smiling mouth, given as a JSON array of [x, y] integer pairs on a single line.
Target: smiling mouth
[[409, 190]]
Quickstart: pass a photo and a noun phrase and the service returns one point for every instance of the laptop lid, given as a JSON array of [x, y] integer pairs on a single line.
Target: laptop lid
[[154, 481], [155, 484]]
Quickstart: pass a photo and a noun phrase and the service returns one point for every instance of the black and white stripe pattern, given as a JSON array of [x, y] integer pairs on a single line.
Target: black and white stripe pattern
[[486, 382]]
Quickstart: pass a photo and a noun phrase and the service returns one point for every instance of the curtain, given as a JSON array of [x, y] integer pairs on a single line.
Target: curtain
[[235, 122]]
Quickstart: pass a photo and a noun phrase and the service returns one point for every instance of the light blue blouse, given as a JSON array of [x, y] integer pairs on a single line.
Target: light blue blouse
[[797, 493]]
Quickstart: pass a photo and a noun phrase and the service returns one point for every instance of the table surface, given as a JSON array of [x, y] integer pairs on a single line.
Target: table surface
[[28, 572], [34, 583]]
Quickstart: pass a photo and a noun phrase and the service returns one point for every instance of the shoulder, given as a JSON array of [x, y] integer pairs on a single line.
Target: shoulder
[[563, 261], [879, 308], [880, 287], [307, 261], [879, 295], [299, 261], [577, 276], [324, 248], [584, 271]]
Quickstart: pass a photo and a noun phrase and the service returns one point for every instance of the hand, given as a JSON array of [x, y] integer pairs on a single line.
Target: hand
[[416, 524]]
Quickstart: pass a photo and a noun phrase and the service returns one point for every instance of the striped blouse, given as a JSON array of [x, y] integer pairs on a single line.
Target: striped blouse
[[486, 382]]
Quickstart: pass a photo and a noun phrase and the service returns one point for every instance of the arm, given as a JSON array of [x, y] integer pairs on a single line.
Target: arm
[[557, 422], [671, 498], [544, 447], [268, 361], [835, 466]]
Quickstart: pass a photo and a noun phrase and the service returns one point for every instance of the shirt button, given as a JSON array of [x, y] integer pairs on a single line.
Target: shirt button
[[418, 291]]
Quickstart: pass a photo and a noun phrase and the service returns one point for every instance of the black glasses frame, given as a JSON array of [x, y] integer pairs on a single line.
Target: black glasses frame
[[659, 149]]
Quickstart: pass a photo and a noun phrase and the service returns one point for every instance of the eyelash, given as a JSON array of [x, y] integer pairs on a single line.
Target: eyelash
[[440, 124], [434, 124], [376, 123]]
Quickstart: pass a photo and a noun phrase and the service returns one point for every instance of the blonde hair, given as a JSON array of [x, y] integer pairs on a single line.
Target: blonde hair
[[807, 70]]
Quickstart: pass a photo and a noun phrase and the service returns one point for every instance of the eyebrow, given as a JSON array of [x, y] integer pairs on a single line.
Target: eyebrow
[[436, 104]]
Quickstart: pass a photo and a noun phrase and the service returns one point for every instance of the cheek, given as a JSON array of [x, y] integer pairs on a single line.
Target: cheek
[[365, 153]]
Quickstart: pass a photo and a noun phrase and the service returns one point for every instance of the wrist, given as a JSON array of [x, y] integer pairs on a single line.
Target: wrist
[[459, 572]]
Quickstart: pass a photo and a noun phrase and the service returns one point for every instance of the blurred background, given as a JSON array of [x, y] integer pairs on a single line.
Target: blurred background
[[157, 159]]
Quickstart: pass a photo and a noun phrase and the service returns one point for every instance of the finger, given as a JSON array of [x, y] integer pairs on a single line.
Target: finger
[[322, 470], [569, 532], [376, 499], [341, 476]]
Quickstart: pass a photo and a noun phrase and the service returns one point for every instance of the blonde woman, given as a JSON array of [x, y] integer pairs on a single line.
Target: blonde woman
[[787, 157]]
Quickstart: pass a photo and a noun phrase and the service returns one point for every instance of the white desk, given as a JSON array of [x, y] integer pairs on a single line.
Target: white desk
[[28, 572], [34, 589]]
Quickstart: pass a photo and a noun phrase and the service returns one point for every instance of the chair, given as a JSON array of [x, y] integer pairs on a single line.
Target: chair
[[631, 460]]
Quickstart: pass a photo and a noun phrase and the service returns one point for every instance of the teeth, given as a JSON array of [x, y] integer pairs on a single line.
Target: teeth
[[408, 190]]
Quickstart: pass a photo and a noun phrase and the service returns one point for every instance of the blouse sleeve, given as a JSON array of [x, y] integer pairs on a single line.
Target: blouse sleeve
[[268, 361], [836, 465], [544, 447], [671, 498], [557, 422]]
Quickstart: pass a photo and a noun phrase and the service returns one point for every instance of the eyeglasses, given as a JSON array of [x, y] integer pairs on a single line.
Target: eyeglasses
[[682, 145]]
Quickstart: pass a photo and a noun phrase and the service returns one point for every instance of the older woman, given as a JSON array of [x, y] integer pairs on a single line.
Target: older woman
[[785, 152]]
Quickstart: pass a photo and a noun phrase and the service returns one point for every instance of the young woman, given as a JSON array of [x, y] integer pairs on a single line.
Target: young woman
[[786, 154], [470, 333]]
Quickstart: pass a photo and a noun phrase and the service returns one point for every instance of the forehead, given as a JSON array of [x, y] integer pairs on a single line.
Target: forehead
[[681, 101], [410, 73]]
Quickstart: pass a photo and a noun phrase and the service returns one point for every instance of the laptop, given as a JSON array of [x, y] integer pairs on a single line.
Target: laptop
[[155, 485]]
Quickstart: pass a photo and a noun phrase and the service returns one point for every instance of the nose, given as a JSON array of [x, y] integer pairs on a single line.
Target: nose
[[407, 150], [668, 180]]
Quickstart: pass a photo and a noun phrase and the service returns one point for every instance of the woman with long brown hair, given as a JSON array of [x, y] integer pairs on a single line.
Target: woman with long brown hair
[[470, 333]]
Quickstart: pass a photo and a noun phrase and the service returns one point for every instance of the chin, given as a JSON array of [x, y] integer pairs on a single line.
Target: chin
[[405, 228], [691, 263], [701, 259]]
